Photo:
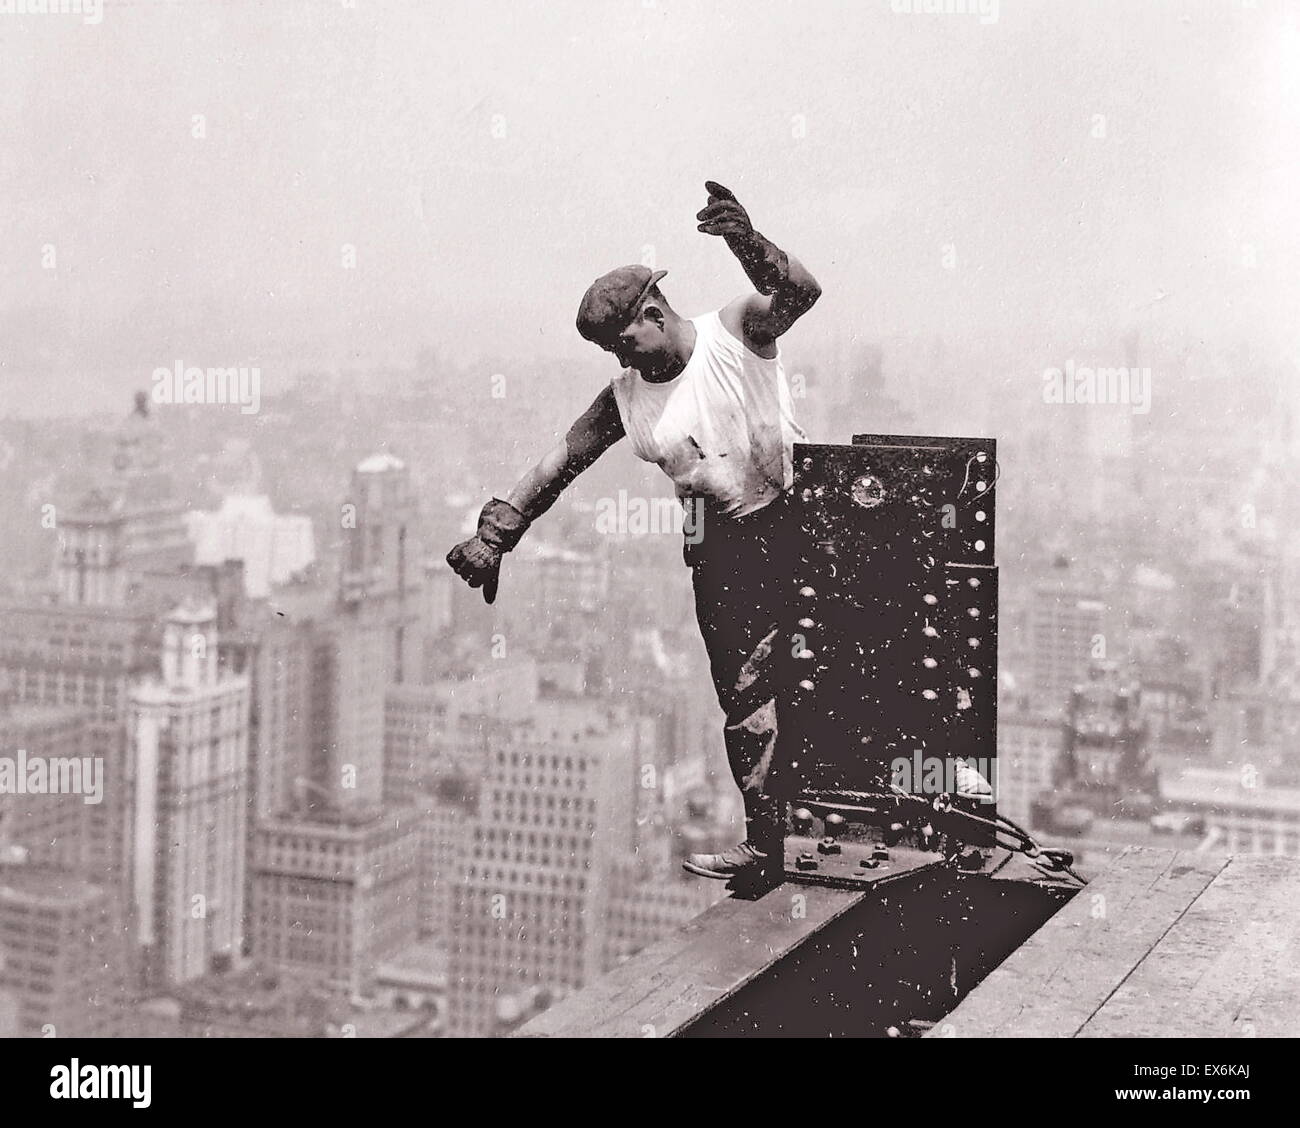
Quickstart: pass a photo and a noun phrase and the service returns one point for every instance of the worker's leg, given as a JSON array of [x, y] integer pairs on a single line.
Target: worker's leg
[[741, 578]]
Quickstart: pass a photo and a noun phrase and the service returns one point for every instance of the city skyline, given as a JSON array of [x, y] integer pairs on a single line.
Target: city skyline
[[357, 679]]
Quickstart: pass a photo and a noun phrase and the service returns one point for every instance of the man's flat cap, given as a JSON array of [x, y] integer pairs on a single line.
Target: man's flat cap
[[613, 300]]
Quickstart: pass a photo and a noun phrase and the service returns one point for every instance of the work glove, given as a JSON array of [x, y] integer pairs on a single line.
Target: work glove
[[477, 561], [764, 262], [723, 214]]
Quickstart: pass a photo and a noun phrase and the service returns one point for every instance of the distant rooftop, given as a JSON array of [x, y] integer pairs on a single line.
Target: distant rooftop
[[379, 463], [192, 613], [22, 714], [328, 820], [1226, 787], [45, 885], [424, 959]]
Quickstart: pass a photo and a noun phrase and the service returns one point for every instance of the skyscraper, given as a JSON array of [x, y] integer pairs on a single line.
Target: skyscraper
[[1029, 745], [61, 965], [1068, 630], [128, 525], [335, 894], [54, 829], [85, 658], [555, 820], [189, 735], [1104, 758], [382, 571]]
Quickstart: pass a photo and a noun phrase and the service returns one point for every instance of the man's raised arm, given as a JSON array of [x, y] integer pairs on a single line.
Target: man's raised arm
[[786, 290], [503, 522]]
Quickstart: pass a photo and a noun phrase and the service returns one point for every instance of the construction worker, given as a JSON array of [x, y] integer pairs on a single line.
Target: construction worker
[[706, 398]]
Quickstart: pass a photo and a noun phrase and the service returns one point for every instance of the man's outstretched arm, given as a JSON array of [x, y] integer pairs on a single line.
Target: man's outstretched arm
[[786, 289], [592, 433], [503, 522]]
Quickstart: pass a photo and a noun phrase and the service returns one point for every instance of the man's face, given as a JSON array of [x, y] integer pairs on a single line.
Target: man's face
[[641, 344]]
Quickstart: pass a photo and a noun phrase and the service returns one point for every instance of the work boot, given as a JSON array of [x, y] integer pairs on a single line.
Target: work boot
[[743, 861]]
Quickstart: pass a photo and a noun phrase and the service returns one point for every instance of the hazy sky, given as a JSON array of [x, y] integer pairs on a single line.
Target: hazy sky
[[488, 159]]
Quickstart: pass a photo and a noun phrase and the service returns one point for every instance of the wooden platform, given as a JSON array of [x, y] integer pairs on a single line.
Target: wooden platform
[[1161, 944], [664, 988], [660, 990]]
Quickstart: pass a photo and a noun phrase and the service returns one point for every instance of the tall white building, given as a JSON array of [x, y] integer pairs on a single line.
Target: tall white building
[[189, 735]]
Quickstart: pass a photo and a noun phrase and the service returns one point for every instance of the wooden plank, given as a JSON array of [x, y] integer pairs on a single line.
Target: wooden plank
[[1052, 985], [660, 990], [1273, 1008], [1227, 967]]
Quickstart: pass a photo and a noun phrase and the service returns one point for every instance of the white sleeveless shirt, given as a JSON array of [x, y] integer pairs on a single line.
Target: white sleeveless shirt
[[723, 429]]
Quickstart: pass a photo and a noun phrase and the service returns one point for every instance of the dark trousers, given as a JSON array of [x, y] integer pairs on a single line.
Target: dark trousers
[[741, 571]]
